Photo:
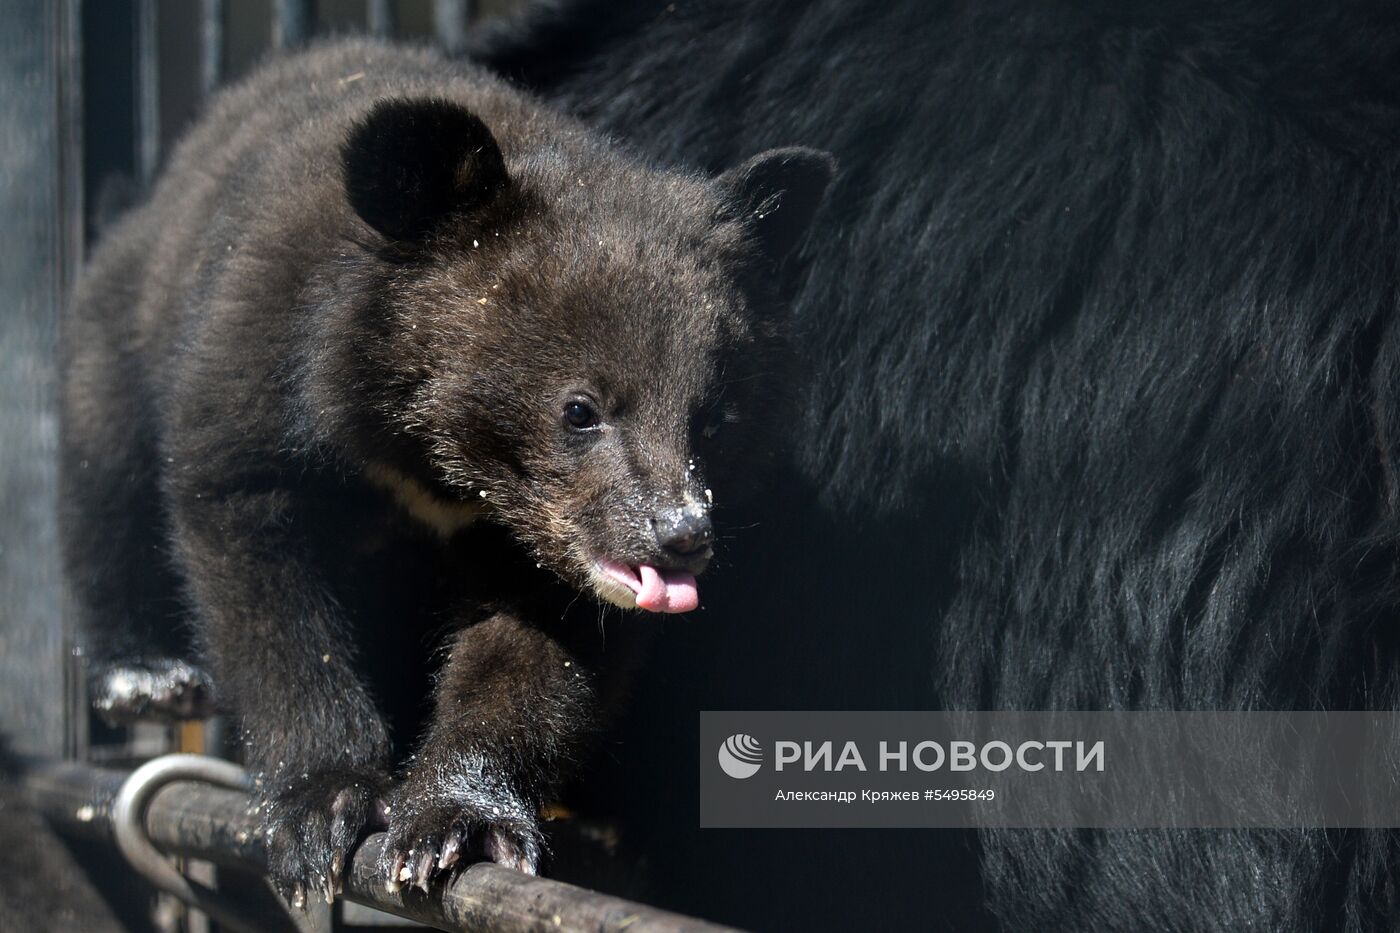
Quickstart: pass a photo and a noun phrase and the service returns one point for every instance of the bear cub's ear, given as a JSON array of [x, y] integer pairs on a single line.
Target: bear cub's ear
[[411, 163], [777, 194]]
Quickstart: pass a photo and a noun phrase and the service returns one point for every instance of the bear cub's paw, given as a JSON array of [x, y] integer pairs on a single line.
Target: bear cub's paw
[[165, 689], [442, 814], [312, 823]]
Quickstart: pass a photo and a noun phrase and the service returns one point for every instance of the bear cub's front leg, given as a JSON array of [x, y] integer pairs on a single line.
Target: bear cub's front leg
[[510, 705], [314, 738]]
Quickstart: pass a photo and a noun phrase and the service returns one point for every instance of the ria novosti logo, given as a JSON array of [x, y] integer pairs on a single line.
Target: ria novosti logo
[[740, 756]]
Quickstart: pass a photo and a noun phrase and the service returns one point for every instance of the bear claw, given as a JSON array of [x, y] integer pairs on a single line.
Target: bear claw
[[312, 825], [436, 837]]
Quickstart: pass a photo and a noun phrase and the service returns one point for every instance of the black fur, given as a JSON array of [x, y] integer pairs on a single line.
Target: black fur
[[410, 165], [1100, 407], [350, 321]]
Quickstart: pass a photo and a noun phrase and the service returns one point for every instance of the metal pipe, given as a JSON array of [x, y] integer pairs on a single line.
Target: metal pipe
[[147, 84], [67, 251], [450, 23], [217, 825], [211, 44], [129, 828], [380, 18], [291, 23]]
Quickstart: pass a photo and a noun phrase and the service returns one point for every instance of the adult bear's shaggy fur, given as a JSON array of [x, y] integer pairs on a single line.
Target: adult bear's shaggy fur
[[1102, 405]]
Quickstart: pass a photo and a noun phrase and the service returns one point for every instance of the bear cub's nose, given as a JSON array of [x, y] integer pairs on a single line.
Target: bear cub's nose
[[683, 532]]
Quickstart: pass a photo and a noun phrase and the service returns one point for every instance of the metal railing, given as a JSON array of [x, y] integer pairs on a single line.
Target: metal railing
[[199, 820]]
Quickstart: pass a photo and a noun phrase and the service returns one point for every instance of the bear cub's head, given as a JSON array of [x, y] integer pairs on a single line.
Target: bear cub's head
[[576, 341]]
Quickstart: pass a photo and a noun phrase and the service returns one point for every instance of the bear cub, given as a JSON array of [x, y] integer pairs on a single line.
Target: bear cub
[[395, 364]]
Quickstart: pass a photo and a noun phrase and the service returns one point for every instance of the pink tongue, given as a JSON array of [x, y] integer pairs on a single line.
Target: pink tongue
[[667, 590]]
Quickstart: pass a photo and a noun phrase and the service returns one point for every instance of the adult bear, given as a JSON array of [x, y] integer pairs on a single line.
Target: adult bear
[[1100, 412]]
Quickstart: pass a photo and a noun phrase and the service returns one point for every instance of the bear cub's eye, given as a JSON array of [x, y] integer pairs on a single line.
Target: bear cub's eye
[[580, 414]]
